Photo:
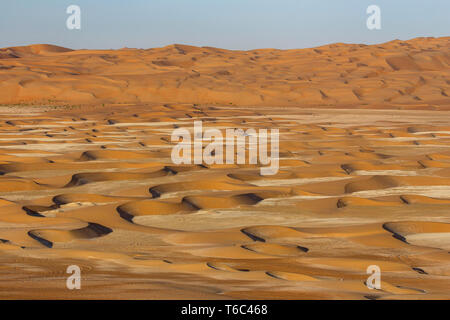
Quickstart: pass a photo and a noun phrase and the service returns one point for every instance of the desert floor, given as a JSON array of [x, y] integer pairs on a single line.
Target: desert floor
[[95, 187], [86, 176]]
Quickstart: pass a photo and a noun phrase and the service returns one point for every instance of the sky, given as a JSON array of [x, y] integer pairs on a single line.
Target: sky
[[230, 24]]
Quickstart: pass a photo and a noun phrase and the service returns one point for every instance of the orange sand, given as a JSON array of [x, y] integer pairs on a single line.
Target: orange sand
[[95, 186], [405, 74]]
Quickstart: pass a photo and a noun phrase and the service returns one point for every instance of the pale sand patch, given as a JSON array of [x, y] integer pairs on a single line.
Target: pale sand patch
[[386, 173], [145, 124], [403, 139], [72, 206], [42, 139], [291, 200], [20, 111], [41, 125], [36, 154], [293, 182], [60, 147], [435, 240], [430, 132], [70, 122], [440, 192]]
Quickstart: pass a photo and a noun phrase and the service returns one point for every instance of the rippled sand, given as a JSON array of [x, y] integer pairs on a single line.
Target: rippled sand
[[96, 187]]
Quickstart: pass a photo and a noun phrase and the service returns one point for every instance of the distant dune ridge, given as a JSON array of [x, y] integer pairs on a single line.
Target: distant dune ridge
[[400, 74]]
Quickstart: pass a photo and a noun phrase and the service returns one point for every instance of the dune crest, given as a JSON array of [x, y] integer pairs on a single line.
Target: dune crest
[[398, 74]]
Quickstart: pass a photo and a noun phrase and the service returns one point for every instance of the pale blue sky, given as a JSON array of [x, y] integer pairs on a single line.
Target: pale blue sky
[[231, 24]]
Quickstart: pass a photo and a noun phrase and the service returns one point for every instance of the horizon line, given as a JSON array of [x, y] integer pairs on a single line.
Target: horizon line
[[212, 47]]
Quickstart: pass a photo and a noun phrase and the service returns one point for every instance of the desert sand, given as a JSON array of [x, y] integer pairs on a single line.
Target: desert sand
[[402, 74], [86, 176]]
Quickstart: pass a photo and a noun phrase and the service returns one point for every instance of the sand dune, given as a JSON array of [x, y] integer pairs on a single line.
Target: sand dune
[[407, 74], [48, 237], [86, 175]]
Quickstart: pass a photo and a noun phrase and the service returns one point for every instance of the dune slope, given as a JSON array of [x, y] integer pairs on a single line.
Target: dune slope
[[403, 74]]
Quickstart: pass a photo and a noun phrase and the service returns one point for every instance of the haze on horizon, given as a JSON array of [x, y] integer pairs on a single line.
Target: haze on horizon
[[231, 24]]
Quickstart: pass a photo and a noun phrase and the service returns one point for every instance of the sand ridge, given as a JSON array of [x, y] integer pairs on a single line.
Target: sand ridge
[[351, 192], [411, 74]]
